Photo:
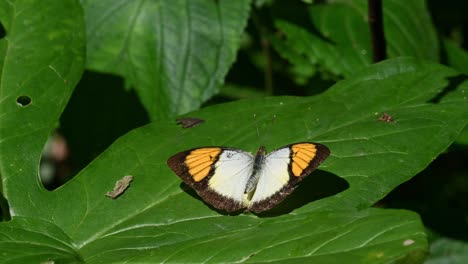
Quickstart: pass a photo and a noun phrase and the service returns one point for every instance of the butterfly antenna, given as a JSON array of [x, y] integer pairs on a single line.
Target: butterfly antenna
[[256, 125]]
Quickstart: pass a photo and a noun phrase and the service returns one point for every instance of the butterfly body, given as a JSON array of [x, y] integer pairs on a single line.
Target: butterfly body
[[231, 179], [257, 166]]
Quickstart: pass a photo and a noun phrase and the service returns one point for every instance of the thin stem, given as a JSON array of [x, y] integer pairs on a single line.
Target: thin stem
[[379, 49], [265, 44]]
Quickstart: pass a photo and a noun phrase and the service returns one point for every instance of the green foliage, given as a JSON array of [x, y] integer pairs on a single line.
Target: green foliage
[[406, 35], [175, 54]]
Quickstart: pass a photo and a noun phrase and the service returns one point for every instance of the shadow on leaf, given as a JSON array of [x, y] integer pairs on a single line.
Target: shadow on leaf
[[316, 186], [453, 83]]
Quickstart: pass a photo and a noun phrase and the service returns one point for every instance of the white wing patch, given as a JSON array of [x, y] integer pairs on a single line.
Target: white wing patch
[[274, 174], [233, 169]]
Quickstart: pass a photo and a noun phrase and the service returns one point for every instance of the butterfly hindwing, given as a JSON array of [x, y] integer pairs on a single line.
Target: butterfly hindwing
[[217, 174]]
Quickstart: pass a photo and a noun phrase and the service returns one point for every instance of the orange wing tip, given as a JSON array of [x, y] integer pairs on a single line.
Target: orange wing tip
[[213, 151], [306, 157], [199, 162], [201, 174]]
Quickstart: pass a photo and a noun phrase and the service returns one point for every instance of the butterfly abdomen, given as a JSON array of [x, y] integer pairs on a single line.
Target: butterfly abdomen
[[257, 166]]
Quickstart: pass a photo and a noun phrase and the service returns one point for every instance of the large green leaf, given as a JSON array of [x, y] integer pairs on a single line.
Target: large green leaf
[[174, 53], [343, 45], [371, 236], [41, 60], [158, 220], [308, 237]]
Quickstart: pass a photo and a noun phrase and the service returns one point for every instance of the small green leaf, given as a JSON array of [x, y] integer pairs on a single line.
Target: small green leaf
[[174, 53], [456, 56], [445, 250]]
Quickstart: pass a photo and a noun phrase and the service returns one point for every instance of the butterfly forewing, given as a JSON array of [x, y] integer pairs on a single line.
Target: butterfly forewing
[[217, 174], [233, 170], [283, 169]]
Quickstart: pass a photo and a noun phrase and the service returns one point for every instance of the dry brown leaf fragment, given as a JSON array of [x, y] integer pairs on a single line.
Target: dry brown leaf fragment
[[189, 122], [120, 187]]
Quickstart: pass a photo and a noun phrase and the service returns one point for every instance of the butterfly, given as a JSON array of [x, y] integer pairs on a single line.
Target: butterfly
[[232, 179]]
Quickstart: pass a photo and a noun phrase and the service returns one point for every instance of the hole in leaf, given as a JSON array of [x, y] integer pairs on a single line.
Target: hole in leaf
[[55, 162], [23, 100], [2, 31], [89, 117]]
